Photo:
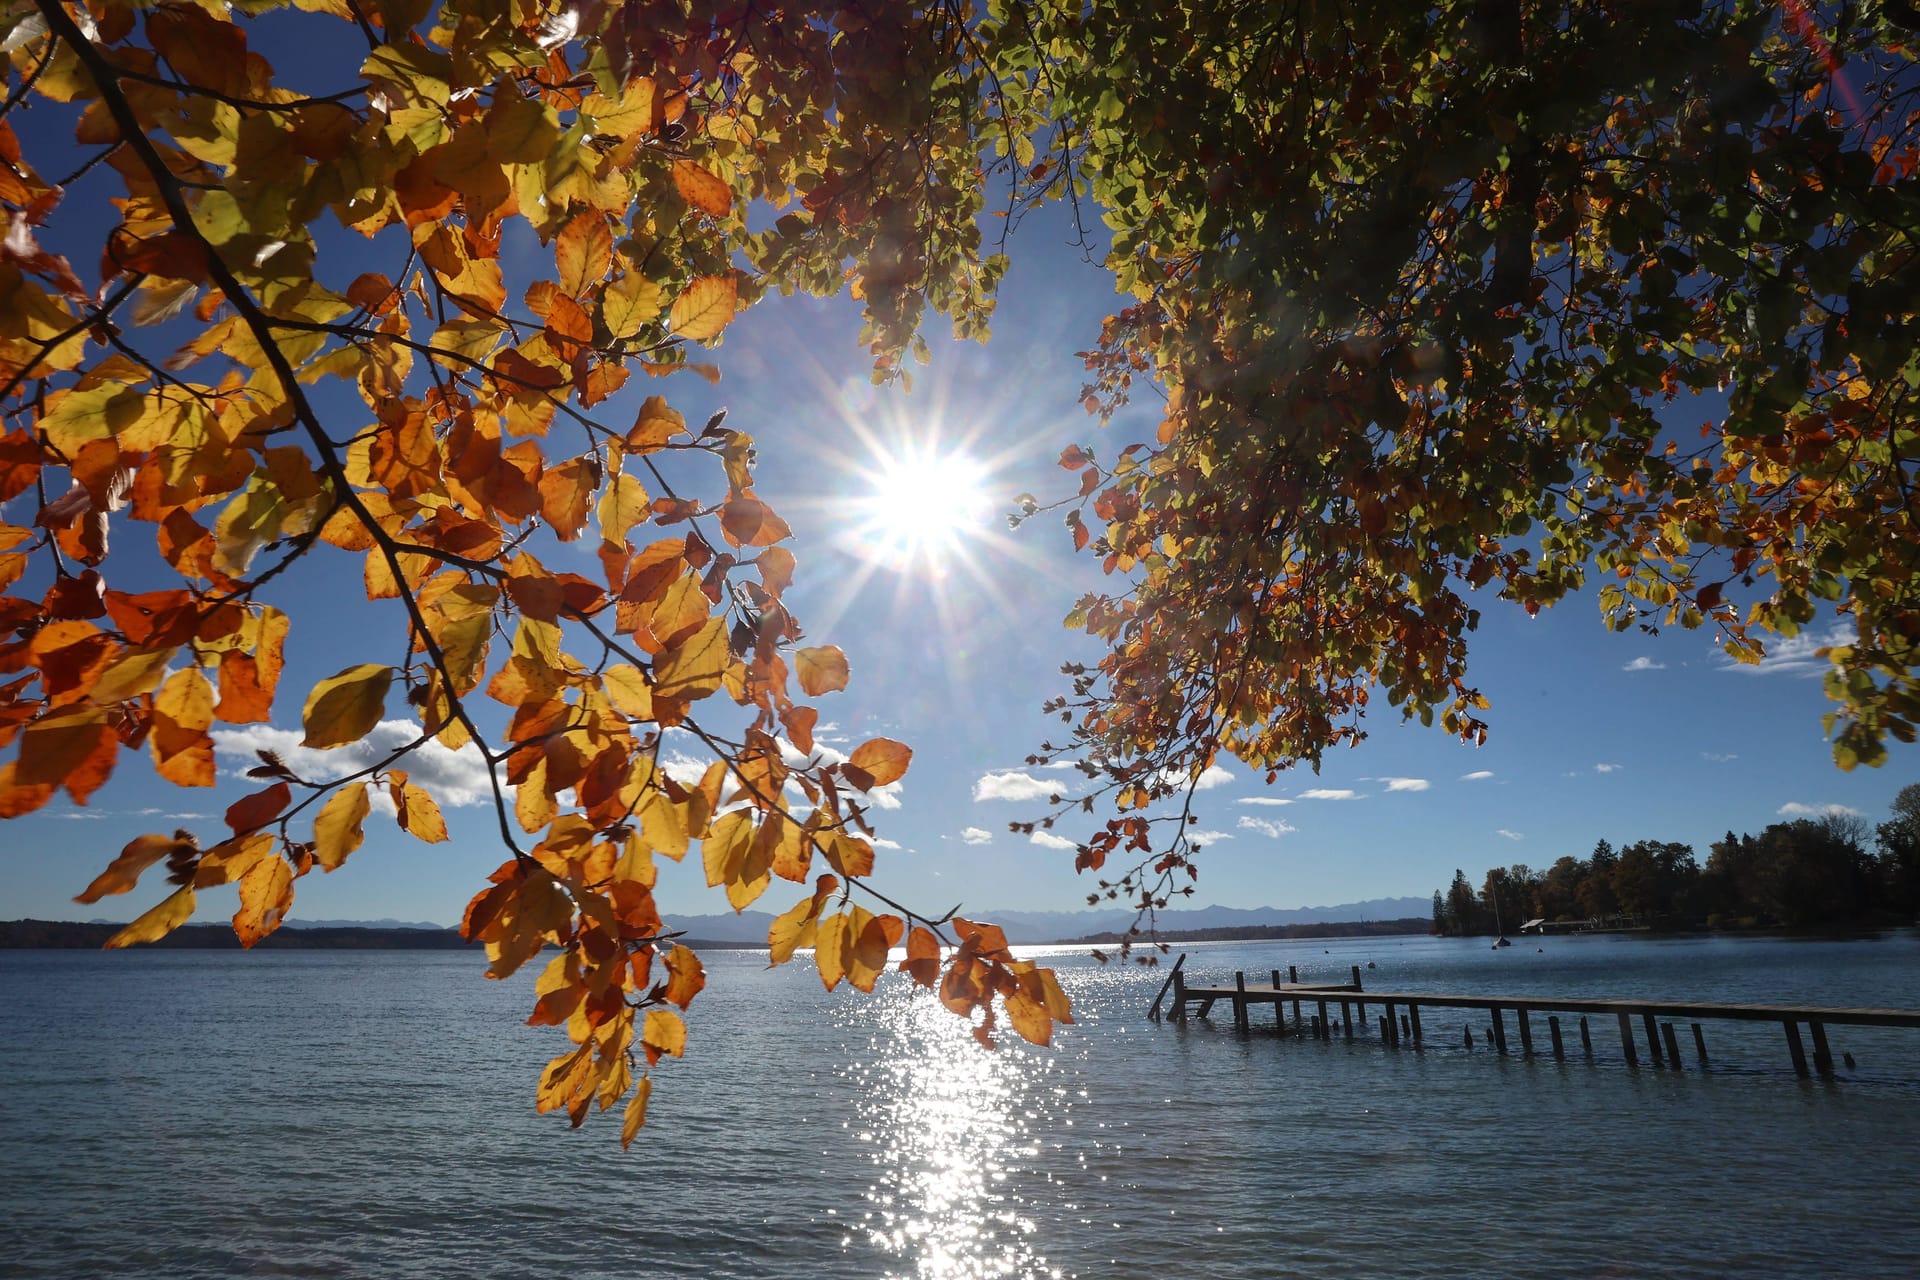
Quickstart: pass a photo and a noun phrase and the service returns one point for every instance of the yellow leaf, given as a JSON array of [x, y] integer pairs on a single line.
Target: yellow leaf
[[791, 930], [705, 308], [636, 1111], [1029, 1017], [124, 871], [821, 670], [689, 977], [337, 829], [830, 949], [623, 504], [345, 708], [265, 894], [664, 1034], [231, 859], [422, 815], [628, 690], [182, 713], [135, 672], [629, 303], [174, 910], [883, 759], [693, 668], [724, 851]]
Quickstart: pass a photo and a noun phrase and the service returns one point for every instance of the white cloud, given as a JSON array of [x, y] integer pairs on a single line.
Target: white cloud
[[1208, 837], [1010, 784], [1406, 784], [1063, 764], [975, 835], [81, 815], [1276, 801], [1718, 757], [1267, 827], [1048, 840], [454, 778], [1607, 768], [1793, 655], [1329, 793], [683, 768], [1644, 664], [1511, 835], [1794, 809], [879, 843], [1478, 775]]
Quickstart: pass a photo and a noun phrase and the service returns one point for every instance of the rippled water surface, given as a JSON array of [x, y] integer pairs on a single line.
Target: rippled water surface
[[370, 1114]]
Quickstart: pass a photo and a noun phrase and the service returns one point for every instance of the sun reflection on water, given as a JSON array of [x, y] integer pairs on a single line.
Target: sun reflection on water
[[951, 1129]]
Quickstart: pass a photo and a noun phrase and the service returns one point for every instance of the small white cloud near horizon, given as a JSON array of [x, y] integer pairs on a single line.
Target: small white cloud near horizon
[[1793, 655], [1010, 784], [1607, 768], [1329, 793], [1275, 801], [1477, 775], [1794, 809], [1644, 664], [1406, 784], [1274, 828], [1511, 835], [975, 835], [1048, 840]]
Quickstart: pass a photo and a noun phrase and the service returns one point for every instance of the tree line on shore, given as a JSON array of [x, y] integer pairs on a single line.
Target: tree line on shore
[[1831, 869]]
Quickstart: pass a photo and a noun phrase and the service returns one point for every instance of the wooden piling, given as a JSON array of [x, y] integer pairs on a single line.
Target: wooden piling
[[1179, 995], [1795, 1048], [1406, 1025], [1499, 1031], [1393, 1027], [1413, 1011], [1468, 1033], [1526, 1033], [1553, 1029], [1154, 1013], [1280, 1010], [1673, 1046], [1293, 976], [1700, 1045], [1822, 1056], [1586, 1036], [1326, 1028], [1626, 1041], [1240, 1002], [1346, 1018], [1383, 1030], [1356, 979], [1653, 1039]]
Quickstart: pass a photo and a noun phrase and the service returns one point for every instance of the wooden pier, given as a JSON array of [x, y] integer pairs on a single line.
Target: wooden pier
[[1399, 1016]]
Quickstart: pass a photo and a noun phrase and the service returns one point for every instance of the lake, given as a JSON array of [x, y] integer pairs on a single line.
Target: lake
[[182, 1113]]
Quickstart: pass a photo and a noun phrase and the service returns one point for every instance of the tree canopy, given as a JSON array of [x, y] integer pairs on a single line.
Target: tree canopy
[[1429, 292]]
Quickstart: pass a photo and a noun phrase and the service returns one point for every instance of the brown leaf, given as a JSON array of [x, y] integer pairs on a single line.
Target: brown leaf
[[702, 188], [822, 669]]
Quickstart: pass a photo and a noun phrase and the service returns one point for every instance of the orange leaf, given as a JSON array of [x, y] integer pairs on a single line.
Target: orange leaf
[[923, 956], [883, 759], [266, 892], [182, 713], [664, 1033], [688, 978], [258, 809], [583, 252], [124, 871], [822, 669], [636, 1113], [702, 188]]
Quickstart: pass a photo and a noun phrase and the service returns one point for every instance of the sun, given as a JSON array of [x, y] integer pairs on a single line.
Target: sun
[[920, 509]]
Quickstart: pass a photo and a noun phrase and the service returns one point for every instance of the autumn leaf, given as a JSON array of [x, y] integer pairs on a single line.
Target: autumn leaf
[[665, 1034], [124, 871], [702, 189], [822, 669], [346, 707], [266, 892], [173, 911], [705, 307], [636, 1113], [338, 827], [882, 759]]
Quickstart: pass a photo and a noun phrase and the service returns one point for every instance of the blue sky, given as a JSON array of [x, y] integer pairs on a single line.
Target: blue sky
[[1594, 735]]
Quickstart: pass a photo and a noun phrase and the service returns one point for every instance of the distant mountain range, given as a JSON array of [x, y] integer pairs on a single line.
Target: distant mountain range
[[1062, 926]]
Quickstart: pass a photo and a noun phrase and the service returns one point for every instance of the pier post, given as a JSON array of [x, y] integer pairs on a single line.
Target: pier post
[[1179, 995], [1700, 1044], [1393, 1028], [1653, 1039], [1822, 1056], [1346, 1018], [1326, 1028], [1626, 1040], [1240, 1002], [1413, 1011], [1795, 1048], [1293, 978], [1356, 983], [1383, 1030], [1673, 1046], [1586, 1036], [1280, 1007], [1553, 1029], [1406, 1026], [1526, 1034], [1467, 1032], [1316, 1027], [1499, 1030]]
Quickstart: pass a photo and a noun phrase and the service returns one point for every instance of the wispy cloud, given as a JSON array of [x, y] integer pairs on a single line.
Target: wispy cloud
[[1406, 784], [880, 843], [1208, 837], [1275, 801], [454, 778], [1794, 809], [1478, 775], [1048, 840], [1329, 793], [1718, 757], [1267, 826], [1012, 785], [1511, 835], [975, 835], [1644, 664], [887, 797], [1794, 655], [1607, 768]]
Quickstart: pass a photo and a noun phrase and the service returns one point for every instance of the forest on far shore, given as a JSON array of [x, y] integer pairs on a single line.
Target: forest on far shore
[[1833, 869]]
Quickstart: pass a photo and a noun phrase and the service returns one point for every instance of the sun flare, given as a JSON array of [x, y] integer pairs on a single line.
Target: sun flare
[[920, 509]]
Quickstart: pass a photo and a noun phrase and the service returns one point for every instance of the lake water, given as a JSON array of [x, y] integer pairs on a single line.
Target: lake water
[[370, 1114]]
